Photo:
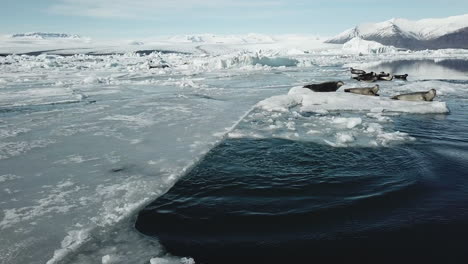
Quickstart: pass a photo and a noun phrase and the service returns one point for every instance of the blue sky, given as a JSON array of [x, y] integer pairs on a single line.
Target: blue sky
[[107, 19]]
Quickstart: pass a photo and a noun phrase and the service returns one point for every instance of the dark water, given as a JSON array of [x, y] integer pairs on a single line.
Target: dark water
[[280, 201]]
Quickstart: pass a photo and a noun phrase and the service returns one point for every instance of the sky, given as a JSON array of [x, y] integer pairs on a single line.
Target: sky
[[133, 19]]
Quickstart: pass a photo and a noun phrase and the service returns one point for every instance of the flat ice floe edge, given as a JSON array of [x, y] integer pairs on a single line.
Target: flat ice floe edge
[[116, 214]]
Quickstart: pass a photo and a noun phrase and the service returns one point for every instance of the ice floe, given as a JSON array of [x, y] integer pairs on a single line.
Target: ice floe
[[360, 46]]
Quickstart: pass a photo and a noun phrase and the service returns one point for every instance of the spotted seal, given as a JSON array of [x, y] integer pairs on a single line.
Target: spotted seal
[[364, 91], [382, 76], [417, 96]]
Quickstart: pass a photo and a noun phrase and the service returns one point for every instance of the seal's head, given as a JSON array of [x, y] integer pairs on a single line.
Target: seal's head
[[339, 84], [375, 89], [430, 95]]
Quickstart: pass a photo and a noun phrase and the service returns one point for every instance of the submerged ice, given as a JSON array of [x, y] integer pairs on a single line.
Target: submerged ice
[[86, 141]]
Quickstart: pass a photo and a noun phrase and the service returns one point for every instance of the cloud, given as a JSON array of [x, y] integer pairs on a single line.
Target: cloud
[[145, 9]]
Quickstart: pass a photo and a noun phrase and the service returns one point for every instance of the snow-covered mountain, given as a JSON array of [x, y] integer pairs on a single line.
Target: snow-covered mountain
[[451, 32], [44, 35]]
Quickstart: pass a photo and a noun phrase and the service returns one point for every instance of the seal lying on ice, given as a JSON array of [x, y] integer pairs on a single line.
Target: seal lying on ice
[[367, 77], [382, 76], [325, 87], [417, 96], [365, 91], [401, 77]]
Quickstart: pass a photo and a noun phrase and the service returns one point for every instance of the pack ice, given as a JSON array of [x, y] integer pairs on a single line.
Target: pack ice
[[87, 140]]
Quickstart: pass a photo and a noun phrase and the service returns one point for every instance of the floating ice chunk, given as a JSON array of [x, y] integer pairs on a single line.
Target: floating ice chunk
[[109, 259], [358, 45], [280, 103], [344, 137], [385, 138], [8, 177], [312, 131], [373, 127], [379, 117], [348, 122], [172, 260], [187, 261], [245, 59], [159, 261]]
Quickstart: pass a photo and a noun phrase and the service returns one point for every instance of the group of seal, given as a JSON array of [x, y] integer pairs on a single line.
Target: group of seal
[[362, 75], [372, 91]]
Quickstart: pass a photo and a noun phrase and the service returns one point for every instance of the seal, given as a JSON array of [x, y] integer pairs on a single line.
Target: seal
[[417, 96], [364, 91], [401, 77], [356, 71], [162, 66], [382, 76], [325, 87], [367, 77]]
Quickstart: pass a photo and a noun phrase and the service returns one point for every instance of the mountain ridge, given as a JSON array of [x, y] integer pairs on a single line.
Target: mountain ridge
[[45, 35], [441, 33]]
